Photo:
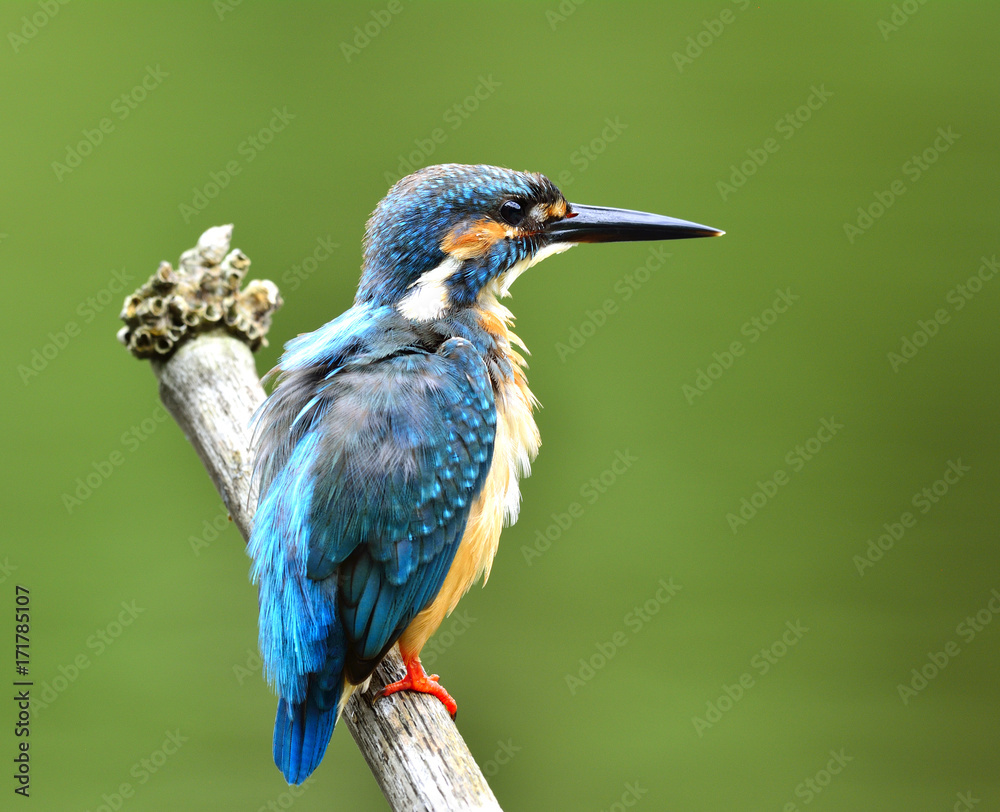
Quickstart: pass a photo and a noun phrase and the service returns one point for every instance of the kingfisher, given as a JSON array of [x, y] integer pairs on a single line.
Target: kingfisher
[[389, 452]]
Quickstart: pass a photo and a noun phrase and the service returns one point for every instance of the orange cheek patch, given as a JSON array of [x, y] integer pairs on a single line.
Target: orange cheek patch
[[465, 242], [557, 210]]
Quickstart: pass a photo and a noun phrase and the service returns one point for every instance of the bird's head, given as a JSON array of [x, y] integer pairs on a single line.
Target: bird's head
[[445, 234]]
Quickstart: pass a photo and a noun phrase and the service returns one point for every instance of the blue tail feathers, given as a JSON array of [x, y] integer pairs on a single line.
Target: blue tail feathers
[[302, 732]]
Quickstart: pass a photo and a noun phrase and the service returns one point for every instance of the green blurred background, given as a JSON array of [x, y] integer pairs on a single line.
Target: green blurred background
[[705, 701]]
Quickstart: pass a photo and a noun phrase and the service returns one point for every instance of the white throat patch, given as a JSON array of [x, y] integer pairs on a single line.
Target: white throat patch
[[427, 298]]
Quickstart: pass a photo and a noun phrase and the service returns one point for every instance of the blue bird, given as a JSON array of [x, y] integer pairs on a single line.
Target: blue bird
[[388, 454]]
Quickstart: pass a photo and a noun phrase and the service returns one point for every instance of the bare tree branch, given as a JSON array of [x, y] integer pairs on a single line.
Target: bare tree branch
[[199, 331]]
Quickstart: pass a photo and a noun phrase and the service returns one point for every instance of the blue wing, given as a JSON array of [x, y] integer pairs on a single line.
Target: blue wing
[[369, 464]]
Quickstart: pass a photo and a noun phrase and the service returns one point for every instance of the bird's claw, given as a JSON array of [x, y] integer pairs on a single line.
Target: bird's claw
[[418, 680]]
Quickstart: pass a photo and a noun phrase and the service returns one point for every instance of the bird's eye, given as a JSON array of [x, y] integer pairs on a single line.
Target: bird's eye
[[512, 212]]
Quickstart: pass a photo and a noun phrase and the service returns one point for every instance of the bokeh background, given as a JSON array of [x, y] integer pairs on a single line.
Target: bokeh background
[[657, 648]]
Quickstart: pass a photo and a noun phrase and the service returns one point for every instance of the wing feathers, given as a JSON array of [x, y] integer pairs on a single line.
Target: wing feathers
[[365, 493]]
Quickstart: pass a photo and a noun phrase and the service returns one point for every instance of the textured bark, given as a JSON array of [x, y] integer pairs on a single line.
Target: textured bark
[[211, 388], [209, 383]]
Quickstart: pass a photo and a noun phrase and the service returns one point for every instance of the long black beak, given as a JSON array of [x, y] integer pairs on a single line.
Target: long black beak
[[600, 224]]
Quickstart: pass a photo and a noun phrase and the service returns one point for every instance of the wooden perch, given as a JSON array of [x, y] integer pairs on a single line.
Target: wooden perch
[[199, 331]]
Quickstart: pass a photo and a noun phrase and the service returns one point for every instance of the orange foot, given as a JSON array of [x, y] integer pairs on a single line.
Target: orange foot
[[417, 679]]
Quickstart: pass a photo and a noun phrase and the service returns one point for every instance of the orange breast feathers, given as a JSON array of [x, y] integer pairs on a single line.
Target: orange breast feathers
[[514, 448]]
